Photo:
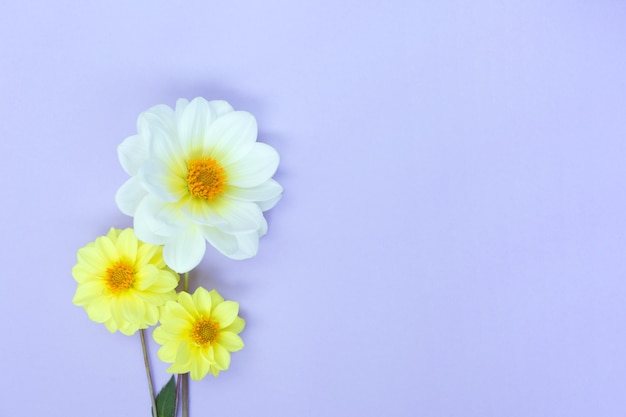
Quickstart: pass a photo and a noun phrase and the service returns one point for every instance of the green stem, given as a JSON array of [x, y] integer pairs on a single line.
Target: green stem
[[185, 377], [146, 363]]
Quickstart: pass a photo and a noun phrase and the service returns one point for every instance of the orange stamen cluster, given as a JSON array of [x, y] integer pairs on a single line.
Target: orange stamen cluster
[[120, 277], [206, 178], [205, 331]]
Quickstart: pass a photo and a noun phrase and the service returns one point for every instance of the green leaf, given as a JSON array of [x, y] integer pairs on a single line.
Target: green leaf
[[166, 400]]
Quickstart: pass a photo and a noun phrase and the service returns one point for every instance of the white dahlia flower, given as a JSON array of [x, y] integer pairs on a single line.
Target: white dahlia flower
[[198, 174]]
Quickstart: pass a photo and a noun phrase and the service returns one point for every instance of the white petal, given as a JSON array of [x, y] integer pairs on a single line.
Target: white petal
[[156, 221], [181, 104], [130, 195], [225, 243], [248, 245], [233, 135], [220, 107], [160, 181], [166, 147], [263, 229], [145, 233], [268, 204], [184, 252], [193, 125], [133, 152], [158, 117], [201, 212], [235, 246], [240, 216], [255, 168], [266, 191]]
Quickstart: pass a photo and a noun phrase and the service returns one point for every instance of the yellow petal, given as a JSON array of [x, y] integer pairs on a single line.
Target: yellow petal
[[167, 352], [199, 368], [99, 310], [146, 276], [87, 291], [107, 249], [127, 245], [230, 341], [216, 298], [83, 272], [132, 308], [222, 357], [236, 326], [111, 325], [202, 300], [185, 300], [175, 310], [215, 371], [225, 313], [90, 257], [184, 354]]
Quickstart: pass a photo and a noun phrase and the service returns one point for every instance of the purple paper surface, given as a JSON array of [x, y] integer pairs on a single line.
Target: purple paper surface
[[451, 239]]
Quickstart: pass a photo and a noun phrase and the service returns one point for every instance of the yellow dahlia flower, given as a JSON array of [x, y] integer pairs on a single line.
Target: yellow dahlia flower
[[198, 175], [198, 332], [122, 281]]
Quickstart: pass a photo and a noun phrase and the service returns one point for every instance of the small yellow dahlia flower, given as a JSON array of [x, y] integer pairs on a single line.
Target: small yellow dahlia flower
[[122, 281], [198, 332]]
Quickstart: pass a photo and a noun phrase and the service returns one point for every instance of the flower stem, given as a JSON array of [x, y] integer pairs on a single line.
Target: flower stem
[[146, 362], [185, 394], [177, 396], [185, 377]]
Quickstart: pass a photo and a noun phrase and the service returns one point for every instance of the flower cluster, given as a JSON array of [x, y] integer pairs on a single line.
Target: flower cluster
[[197, 175]]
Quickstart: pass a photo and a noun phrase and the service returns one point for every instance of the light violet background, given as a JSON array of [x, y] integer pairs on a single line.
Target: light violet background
[[451, 240]]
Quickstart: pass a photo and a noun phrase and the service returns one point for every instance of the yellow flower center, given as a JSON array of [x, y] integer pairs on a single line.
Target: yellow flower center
[[120, 277], [205, 331], [206, 178]]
